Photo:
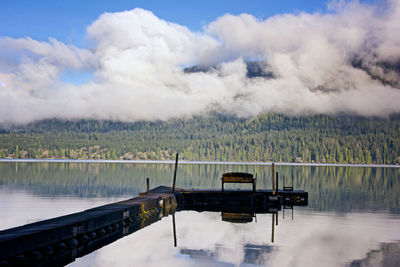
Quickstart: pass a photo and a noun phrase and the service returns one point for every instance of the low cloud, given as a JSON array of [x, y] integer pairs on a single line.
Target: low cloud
[[346, 60]]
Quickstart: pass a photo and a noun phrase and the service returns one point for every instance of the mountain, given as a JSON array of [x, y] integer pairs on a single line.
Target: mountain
[[254, 69]]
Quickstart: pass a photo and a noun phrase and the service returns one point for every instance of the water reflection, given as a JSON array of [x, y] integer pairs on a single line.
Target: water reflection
[[340, 189], [113, 223], [19, 206], [352, 216], [205, 240]]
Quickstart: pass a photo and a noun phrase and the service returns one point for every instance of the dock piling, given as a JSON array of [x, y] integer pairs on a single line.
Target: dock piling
[[292, 213], [284, 182], [148, 185], [176, 169], [273, 178], [273, 228], [174, 229], [254, 184]]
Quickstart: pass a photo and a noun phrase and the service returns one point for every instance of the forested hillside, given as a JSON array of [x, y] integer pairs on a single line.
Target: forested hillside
[[268, 137]]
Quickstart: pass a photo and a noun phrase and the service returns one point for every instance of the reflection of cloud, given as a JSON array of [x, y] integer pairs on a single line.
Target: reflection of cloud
[[342, 61], [323, 238], [19, 207], [333, 240]]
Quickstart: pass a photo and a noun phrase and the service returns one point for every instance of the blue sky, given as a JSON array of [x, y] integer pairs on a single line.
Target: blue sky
[[67, 20]]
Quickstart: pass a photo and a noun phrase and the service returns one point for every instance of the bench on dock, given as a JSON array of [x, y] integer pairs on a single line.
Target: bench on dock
[[238, 177], [237, 217]]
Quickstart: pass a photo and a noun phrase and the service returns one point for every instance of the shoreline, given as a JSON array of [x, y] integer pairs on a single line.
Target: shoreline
[[200, 162]]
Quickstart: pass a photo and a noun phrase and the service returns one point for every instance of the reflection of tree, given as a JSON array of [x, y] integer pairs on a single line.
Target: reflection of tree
[[253, 254], [387, 255], [330, 188]]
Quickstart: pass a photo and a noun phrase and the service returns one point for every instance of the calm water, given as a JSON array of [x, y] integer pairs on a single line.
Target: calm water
[[353, 216]]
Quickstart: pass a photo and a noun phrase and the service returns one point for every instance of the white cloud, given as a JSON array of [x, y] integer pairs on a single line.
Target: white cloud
[[137, 61]]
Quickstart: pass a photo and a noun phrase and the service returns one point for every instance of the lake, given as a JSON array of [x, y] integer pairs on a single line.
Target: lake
[[352, 217]]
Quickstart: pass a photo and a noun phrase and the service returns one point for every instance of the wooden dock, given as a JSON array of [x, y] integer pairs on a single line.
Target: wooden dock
[[260, 201], [60, 240]]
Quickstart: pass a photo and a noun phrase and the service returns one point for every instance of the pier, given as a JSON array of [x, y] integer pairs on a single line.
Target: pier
[[59, 241], [260, 201]]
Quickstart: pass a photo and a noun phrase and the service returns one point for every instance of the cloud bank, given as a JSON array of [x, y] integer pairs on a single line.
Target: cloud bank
[[346, 60]]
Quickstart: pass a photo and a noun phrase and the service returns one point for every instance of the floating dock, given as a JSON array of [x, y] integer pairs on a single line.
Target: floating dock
[[260, 201], [60, 240]]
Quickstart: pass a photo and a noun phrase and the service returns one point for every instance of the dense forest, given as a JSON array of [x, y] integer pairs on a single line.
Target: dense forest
[[268, 137]]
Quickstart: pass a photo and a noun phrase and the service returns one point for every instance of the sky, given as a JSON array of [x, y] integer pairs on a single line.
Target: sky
[[125, 60], [67, 20]]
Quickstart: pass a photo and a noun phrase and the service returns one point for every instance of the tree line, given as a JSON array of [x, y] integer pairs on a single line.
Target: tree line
[[215, 137]]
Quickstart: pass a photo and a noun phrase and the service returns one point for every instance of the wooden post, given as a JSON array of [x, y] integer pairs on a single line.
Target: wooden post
[[292, 212], [292, 183], [174, 229], [254, 183], [273, 227], [148, 184], [277, 182], [273, 178], [284, 183], [176, 169]]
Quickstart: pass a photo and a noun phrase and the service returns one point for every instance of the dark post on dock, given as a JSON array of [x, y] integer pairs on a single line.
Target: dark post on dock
[[176, 169], [273, 178]]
